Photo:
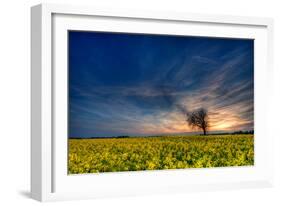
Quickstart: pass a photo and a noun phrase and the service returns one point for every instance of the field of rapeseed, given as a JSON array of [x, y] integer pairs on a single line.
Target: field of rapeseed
[[156, 153]]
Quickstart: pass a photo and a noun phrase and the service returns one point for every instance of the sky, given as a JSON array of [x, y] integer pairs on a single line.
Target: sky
[[143, 84]]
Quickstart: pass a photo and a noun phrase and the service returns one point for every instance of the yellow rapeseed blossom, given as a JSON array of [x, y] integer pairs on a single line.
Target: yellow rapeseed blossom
[[156, 153]]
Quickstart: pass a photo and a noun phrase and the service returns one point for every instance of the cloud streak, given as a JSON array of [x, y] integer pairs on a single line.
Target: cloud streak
[[125, 84]]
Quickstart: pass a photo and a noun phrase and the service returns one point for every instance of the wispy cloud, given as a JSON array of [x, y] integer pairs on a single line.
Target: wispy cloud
[[162, 80]]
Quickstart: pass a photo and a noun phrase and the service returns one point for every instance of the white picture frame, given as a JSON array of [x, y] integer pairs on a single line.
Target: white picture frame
[[49, 179]]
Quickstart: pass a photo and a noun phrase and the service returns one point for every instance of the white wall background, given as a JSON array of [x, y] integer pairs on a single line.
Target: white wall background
[[15, 101]]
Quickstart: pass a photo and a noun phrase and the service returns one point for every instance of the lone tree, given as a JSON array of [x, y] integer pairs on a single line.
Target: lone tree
[[199, 119]]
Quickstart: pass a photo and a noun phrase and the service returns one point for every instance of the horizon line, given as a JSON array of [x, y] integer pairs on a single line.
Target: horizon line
[[167, 134]]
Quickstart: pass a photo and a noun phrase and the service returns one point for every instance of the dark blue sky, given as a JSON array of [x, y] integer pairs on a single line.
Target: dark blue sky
[[135, 84]]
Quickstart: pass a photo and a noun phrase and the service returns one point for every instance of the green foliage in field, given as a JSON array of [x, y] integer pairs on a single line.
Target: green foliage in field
[[155, 153]]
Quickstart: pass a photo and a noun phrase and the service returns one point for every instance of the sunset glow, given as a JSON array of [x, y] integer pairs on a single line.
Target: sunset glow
[[129, 84]]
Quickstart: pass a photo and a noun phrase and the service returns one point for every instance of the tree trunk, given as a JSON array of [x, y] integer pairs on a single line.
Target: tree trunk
[[204, 130]]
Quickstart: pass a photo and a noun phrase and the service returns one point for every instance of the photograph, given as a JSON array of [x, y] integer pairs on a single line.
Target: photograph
[[139, 101]]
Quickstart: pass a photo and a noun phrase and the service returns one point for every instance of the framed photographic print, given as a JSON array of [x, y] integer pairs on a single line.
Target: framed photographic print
[[134, 102]]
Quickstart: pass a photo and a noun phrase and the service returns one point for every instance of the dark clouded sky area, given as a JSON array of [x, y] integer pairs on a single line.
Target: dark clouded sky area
[[135, 84]]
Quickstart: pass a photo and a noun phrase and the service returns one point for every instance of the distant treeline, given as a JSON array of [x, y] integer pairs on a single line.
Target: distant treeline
[[126, 136], [244, 132], [236, 132]]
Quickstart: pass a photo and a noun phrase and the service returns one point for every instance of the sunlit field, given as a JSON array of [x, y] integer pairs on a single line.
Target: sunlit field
[[158, 153]]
